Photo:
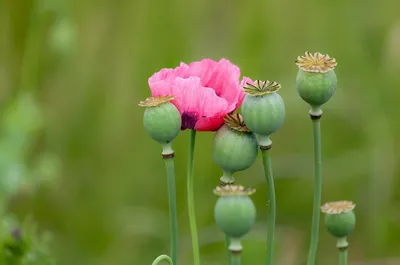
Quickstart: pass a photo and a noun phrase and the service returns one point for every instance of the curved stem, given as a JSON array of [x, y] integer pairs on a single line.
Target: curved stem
[[192, 217], [272, 204], [343, 256], [173, 220], [317, 192], [162, 258]]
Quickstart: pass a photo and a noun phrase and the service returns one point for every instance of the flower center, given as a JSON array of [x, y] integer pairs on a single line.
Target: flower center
[[189, 120]]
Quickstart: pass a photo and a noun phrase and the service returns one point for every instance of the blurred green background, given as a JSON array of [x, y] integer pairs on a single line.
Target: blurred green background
[[84, 66]]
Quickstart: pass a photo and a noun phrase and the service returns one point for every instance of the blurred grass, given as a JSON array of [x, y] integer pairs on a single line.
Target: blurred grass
[[110, 206]]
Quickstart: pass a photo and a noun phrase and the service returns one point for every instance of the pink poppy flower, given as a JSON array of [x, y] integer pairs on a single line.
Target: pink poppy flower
[[205, 92]]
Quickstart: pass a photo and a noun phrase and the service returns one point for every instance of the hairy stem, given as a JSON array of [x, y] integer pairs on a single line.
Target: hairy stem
[[192, 216], [317, 192], [272, 205]]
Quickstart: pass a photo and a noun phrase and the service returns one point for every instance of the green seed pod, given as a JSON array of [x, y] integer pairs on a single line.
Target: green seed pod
[[162, 120], [340, 219], [316, 79], [263, 109], [234, 211], [235, 147]]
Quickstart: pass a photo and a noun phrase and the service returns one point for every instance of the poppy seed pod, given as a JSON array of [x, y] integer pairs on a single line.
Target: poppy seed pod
[[235, 147], [316, 79], [263, 109], [162, 120], [234, 211], [340, 219]]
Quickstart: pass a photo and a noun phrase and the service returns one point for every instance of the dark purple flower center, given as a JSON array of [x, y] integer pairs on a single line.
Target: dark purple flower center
[[189, 120]]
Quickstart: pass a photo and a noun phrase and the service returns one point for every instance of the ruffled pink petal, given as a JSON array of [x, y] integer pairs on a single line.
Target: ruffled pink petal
[[193, 97], [161, 83], [205, 92], [161, 88], [212, 123], [222, 76], [244, 81], [203, 69], [195, 101], [225, 81], [169, 74]]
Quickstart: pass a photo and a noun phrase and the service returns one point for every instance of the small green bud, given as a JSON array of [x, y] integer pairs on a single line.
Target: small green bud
[[316, 79], [235, 147], [234, 211], [263, 109], [162, 120], [340, 219]]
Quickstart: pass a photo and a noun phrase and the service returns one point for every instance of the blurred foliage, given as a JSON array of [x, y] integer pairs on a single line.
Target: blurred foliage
[[83, 66], [19, 126], [22, 245]]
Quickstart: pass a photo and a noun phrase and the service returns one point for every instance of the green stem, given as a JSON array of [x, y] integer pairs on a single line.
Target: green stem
[[343, 256], [162, 258], [236, 248], [236, 259], [317, 192], [173, 220], [272, 205], [192, 217], [227, 178], [228, 252]]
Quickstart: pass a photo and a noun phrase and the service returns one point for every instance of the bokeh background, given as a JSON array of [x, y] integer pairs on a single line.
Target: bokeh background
[[72, 73]]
